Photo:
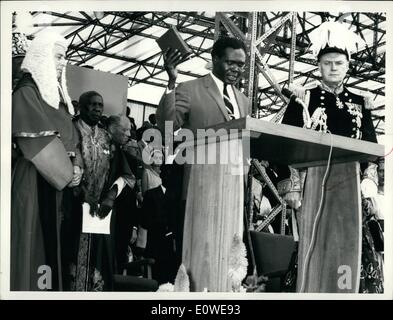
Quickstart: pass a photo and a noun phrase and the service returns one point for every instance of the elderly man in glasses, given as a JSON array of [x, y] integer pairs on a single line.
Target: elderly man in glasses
[[211, 99]]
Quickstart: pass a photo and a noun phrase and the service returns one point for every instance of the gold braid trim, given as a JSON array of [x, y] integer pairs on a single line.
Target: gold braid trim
[[36, 134]]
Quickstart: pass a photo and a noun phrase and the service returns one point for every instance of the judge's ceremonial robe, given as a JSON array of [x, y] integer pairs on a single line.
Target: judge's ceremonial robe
[[36, 205]]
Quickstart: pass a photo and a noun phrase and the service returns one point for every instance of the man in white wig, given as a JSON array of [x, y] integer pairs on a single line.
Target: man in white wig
[[330, 106], [48, 163]]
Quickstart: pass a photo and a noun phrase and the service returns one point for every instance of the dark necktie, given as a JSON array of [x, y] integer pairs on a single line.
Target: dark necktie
[[228, 103]]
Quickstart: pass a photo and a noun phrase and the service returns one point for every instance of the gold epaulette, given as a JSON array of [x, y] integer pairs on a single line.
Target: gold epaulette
[[300, 91], [368, 98]]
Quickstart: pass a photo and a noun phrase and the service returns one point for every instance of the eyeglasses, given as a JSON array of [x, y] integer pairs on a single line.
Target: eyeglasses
[[240, 65]]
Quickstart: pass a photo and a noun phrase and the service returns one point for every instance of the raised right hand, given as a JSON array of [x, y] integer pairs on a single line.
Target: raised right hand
[[172, 57]]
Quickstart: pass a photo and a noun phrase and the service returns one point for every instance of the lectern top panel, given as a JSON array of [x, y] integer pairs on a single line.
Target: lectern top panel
[[285, 144]]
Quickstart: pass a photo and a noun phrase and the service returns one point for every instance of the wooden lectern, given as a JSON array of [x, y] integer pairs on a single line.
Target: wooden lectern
[[215, 202]]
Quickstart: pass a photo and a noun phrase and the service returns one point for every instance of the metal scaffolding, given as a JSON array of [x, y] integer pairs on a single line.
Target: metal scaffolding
[[277, 42]]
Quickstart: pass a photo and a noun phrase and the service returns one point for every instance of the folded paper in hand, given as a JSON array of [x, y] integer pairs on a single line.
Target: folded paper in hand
[[173, 39], [95, 224]]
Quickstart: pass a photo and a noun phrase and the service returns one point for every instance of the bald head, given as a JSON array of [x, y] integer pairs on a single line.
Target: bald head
[[119, 128]]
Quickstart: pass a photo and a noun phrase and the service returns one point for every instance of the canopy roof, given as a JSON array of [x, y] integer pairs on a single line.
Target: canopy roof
[[124, 43]]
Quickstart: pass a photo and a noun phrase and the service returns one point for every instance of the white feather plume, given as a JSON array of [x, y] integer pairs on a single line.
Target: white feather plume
[[334, 34]]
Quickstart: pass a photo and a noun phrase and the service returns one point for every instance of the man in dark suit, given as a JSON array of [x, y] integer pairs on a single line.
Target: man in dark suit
[[158, 218], [208, 100]]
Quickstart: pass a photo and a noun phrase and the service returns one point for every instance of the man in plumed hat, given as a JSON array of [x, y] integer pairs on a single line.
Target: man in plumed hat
[[330, 107]]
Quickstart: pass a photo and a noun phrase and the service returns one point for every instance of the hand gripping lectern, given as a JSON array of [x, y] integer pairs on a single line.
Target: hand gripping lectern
[[215, 202]]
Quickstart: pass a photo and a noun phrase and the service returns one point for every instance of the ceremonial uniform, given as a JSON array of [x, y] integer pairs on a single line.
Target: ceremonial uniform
[[346, 113]]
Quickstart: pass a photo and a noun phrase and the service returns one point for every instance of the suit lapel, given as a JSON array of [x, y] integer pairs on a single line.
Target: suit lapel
[[215, 94]]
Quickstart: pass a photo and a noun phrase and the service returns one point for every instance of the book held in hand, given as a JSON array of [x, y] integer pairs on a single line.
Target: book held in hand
[[173, 39]]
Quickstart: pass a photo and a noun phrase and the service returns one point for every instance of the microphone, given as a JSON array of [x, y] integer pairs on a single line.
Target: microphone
[[292, 97]]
